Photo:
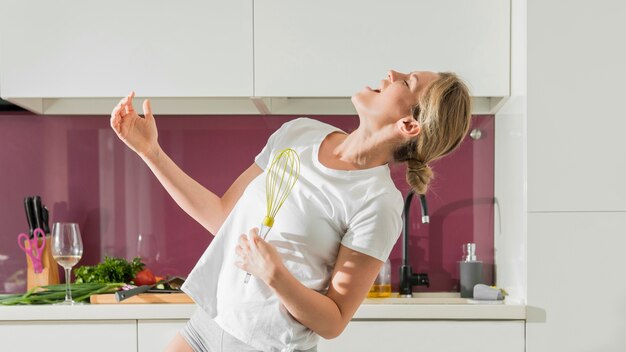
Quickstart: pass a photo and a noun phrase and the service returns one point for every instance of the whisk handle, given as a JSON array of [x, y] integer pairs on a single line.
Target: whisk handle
[[262, 233], [268, 221], [247, 279]]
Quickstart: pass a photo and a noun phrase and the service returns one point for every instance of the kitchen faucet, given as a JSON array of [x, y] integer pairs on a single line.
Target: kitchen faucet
[[407, 278]]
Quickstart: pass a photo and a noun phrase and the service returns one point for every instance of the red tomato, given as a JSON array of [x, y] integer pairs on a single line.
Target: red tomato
[[144, 277]]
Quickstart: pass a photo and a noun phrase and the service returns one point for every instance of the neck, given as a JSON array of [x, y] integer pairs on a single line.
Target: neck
[[362, 149]]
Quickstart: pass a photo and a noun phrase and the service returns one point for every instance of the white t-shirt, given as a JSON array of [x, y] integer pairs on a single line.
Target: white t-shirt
[[327, 208]]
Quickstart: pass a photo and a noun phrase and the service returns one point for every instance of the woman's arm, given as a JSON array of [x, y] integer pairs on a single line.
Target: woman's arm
[[140, 134], [327, 315], [201, 204]]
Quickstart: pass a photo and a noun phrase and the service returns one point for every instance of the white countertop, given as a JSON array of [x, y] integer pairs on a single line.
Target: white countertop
[[437, 306]]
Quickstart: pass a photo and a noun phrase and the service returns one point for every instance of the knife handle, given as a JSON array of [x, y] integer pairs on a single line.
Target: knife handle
[[122, 295], [28, 207], [37, 214], [45, 215]]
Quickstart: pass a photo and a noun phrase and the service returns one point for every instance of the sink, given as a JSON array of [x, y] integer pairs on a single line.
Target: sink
[[422, 298]]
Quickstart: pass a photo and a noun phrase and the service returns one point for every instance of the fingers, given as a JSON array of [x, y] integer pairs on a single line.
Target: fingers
[[147, 110], [123, 108], [239, 251], [244, 243], [117, 108], [120, 108], [116, 117], [243, 251], [253, 235], [248, 243], [115, 124], [128, 103]]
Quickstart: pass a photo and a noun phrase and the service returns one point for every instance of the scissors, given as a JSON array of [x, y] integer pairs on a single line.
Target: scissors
[[35, 250]]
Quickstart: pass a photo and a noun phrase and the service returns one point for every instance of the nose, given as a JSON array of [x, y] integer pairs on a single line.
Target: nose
[[392, 75]]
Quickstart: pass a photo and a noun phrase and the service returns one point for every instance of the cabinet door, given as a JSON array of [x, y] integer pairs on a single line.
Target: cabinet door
[[575, 134], [330, 48], [105, 49], [155, 335], [432, 336], [69, 336]]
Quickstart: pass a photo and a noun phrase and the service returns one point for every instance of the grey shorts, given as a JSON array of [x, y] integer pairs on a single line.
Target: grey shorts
[[204, 335]]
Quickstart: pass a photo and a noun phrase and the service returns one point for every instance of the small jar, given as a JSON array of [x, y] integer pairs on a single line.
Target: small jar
[[382, 284]]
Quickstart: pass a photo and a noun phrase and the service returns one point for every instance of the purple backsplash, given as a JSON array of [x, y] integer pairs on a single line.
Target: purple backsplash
[[86, 175]]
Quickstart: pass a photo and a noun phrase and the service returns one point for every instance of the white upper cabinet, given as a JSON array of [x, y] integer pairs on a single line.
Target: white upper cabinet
[[330, 48], [105, 49], [242, 56]]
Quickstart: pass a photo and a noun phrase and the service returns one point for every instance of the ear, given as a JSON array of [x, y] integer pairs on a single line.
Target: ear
[[408, 127]]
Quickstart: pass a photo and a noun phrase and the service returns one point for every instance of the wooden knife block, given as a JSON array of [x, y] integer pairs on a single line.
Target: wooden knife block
[[50, 273]]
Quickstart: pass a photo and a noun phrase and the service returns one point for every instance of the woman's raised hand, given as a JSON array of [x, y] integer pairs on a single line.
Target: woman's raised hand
[[139, 133]]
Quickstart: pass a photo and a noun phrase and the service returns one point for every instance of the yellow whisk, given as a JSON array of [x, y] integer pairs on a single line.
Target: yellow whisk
[[280, 179]]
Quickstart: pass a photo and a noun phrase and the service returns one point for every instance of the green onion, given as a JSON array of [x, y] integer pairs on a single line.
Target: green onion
[[56, 293]]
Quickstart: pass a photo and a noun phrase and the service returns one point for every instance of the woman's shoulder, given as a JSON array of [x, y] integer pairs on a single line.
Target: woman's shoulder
[[304, 128], [307, 122], [386, 194]]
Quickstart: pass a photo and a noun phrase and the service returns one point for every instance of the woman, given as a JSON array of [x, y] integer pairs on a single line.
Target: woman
[[333, 233]]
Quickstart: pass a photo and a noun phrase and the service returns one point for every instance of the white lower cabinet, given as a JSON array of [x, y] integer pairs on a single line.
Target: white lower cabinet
[[431, 336], [155, 335], [150, 335], [376, 336], [69, 336]]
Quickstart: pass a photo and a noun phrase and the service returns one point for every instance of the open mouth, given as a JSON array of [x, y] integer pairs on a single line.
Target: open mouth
[[373, 90]]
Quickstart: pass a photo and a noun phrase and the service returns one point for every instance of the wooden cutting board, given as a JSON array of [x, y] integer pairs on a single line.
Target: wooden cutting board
[[142, 298]]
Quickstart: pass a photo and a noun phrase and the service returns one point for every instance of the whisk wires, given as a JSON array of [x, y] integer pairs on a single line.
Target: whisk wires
[[281, 177]]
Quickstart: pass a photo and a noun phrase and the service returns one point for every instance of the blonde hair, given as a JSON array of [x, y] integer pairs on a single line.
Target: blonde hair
[[444, 115]]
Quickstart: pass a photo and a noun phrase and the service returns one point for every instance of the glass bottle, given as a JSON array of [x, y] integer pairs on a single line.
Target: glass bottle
[[382, 285]]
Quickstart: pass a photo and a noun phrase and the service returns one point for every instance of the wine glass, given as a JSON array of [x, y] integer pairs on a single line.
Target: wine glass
[[67, 249]]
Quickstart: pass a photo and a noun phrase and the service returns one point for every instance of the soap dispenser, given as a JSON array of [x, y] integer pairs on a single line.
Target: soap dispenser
[[470, 270]]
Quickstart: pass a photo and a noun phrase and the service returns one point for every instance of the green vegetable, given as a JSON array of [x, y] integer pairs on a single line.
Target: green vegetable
[[56, 293], [111, 270]]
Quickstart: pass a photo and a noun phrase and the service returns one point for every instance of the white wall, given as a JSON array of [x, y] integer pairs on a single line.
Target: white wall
[[576, 174]]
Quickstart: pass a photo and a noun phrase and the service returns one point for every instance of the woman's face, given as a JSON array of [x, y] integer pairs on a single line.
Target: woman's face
[[395, 96]]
